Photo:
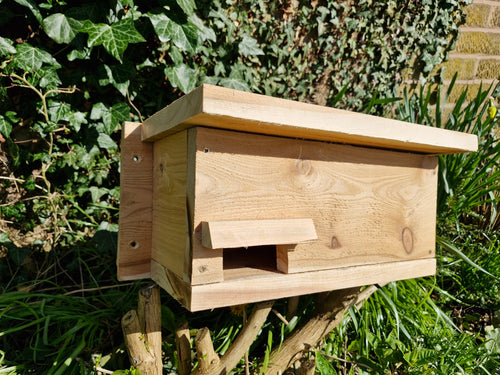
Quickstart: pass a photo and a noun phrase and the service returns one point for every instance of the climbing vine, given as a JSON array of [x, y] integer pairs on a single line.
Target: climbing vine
[[72, 72]]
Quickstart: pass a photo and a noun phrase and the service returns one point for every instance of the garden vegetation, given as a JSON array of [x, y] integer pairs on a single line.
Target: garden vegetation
[[73, 71]]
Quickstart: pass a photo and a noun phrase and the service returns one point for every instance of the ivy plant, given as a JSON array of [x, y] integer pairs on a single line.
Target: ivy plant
[[73, 71]]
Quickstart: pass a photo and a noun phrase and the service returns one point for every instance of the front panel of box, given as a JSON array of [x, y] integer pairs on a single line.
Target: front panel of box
[[368, 205]]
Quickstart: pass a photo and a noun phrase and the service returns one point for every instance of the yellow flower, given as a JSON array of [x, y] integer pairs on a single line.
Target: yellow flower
[[492, 110]]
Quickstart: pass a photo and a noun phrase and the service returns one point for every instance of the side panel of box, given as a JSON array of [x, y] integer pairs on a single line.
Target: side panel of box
[[136, 204], [170, 235], [368, 205]]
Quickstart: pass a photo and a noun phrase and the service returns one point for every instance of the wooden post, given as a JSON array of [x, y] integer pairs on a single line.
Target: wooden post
[[308, 367], [293, 304], [240, 345], [207, 357], [183, 345], [149, 312], [140, 357], [142, 332]]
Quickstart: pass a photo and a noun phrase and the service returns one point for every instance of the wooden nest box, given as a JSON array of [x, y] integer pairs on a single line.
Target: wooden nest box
[[229, 197]]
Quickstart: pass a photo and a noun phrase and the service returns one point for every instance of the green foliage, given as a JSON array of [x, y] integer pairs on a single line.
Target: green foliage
[[468, 183], [440, 325], [72, 72], [85, 67]]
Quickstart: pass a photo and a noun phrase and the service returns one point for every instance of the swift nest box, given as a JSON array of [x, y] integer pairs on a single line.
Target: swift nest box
[[229, 197]]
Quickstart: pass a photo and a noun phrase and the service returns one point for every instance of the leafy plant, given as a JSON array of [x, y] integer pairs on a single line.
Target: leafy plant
[[436, 325], [72, 72]]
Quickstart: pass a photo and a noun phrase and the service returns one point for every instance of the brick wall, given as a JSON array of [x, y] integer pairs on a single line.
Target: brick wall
[[476, 57]]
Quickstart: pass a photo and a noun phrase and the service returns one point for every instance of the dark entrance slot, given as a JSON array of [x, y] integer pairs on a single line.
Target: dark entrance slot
[[247, 262]]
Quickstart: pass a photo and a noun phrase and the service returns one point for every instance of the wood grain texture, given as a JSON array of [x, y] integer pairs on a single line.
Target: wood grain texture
[[173, 284], [183, 346], [149, 313], [136, 205], [245, 233], [170, 242], [276, 285], [236, 110], [368, 205], [140, 355]]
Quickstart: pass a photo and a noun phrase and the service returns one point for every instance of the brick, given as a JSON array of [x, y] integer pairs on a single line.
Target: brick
[[478, 15], [458, 88], [488, 69], [495, 17], [464, 68], [478, 42]]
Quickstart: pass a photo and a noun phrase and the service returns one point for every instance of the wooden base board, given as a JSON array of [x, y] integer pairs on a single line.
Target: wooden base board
[[267, 285]]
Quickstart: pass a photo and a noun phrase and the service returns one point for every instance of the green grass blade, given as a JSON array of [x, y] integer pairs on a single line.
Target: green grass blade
[[61, 370], [451, 248]]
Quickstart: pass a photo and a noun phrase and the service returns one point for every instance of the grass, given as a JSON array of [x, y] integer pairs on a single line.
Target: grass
[[60, 312], [447, 324]]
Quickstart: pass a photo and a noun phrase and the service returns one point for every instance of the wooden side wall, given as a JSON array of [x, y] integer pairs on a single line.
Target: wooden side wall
[[170, 236]]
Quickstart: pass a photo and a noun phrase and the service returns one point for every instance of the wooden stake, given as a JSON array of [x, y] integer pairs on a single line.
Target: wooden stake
[[183, 345], [242, 342], [149, 312], [140, 357], [308, 367], [207, 357], [330, 312], [142, 332], [293, 304]]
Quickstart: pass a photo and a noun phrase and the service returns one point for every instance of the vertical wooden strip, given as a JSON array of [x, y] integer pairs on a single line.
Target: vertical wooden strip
[[136, 205], [140, 357], [149, 312], [183, 345], [207, 357], [170, 216]]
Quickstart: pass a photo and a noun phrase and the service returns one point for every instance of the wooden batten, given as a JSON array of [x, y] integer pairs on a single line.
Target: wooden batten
[[245, 233], [224, 108], [136, 205], [171, 227], [274, 285], [172, 283]]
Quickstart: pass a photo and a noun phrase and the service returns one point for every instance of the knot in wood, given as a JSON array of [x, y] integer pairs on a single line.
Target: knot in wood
[[303, 166], [407, 238], [334, 243]]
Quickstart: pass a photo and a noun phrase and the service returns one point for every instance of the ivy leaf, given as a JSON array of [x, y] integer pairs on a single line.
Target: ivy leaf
[[104, 141], [234, 83], [184, 36], [115, 38], [5, 126], [111, 116], [31, 58], [31, 5], [117, 75], [81, 54], [60, 28], [204, 32], [50, 79], [18, 254], [4, 238], [6, 47], [183, 77], [188, 6], [58, 111], [248, 47]]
